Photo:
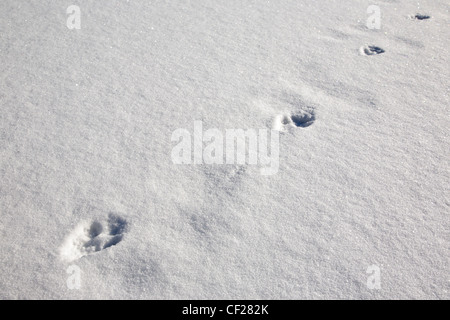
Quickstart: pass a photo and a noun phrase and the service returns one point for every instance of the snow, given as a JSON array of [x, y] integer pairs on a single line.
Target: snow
[[86, 176]]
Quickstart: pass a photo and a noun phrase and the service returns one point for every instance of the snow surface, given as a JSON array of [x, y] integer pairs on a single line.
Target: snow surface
[[86, 177]]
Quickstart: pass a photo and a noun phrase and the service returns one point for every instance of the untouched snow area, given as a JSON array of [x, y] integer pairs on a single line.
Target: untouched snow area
[[92, 205]]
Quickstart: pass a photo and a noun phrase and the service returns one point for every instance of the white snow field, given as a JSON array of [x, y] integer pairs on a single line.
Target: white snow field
[[92, 205]]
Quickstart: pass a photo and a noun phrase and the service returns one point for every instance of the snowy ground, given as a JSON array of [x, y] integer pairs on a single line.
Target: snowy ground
[[87, 182]]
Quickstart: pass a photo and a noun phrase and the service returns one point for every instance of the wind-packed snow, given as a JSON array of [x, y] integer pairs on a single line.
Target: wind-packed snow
[[359, 207]]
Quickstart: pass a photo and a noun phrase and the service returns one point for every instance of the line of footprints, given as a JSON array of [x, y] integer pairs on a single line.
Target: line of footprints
[[306, 116], [89, 238], [370, 50]]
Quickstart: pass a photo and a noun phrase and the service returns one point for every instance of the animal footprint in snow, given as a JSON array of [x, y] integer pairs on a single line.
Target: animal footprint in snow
[[370, 50], [88, 238], [419, 17], [301, 119]]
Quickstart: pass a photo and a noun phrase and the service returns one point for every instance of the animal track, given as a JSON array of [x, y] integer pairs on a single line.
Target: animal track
[[419, 17], [301, 119], [371, 50], [88, 238]]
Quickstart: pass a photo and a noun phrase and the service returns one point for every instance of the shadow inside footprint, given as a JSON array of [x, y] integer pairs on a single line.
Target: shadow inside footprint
[[300, 119], [303, 120], [94, 245], [285, 120], [373, 50], [116, 224], [95, 229], [421, 17], [113, 241]]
